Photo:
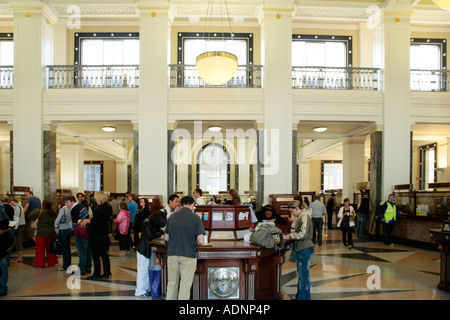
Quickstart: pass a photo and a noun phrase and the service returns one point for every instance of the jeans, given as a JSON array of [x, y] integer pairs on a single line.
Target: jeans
[[304, 284], [84, 254], [3, 276], [64, 236], [361, 219], [317, 226]]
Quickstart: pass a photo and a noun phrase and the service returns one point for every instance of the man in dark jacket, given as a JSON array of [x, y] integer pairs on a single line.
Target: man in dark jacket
[[7, 237], [151, 229], [330, 209]]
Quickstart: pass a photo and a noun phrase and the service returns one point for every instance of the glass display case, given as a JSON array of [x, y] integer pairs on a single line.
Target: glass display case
[[405, 201], [432, 203]]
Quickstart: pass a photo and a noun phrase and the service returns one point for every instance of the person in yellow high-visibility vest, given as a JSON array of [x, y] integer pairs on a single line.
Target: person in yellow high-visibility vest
[[388, 215]]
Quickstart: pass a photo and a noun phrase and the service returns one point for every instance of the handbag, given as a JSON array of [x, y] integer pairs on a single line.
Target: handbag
[[34, 223], [55, 246], [82, 231]]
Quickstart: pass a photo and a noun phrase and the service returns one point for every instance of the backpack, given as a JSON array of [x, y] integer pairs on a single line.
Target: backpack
[[266, 236]]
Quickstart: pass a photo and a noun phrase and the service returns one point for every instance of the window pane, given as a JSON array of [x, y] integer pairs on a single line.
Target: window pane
[[213, 169], [332, 176], [110, 52], [92, 177], [425, 56], [6, 53], [430, 158], [319, 53]]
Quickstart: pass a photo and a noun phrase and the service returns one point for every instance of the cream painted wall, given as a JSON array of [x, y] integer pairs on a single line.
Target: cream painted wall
[[109, 176]]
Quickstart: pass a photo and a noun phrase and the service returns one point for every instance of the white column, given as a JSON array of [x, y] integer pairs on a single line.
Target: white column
[[121, 176], [353, 165], [154, 35], [395, 41], [32, 50], [4, 167], [72, 165], [276, 35], [304, 168]]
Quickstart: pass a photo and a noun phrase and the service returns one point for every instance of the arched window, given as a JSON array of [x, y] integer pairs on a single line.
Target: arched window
[[213, 168]]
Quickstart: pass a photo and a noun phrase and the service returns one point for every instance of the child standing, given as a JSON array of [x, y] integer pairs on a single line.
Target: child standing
[[121, 223]]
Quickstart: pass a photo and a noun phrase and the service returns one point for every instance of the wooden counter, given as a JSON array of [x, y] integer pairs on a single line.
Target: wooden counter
[[232, 270]]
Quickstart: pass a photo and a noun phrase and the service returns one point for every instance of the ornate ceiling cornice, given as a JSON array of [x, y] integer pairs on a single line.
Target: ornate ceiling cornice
[[422, 14]]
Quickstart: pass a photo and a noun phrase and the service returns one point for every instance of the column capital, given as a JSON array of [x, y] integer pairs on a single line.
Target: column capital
[[276, 10], [33, 9], [155, 9]]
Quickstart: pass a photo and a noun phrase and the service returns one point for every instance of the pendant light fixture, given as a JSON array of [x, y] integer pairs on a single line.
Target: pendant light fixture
[[216, 67], [444, 4]]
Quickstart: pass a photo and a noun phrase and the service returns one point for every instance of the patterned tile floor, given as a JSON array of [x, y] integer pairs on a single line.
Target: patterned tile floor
[[336, 273]]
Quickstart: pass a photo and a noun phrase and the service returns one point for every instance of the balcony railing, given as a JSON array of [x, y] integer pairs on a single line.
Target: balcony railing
[[186, 76], [6, 77], [335, 78], [77, 76], [430, 80]]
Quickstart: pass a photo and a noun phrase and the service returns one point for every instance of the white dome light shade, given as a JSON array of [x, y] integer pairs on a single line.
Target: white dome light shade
[[109, 128], [320, 129], [444, 4], [215, 128], [216, 67]]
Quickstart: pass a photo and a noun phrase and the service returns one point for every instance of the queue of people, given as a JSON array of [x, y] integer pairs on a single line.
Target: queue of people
[[91, 226]]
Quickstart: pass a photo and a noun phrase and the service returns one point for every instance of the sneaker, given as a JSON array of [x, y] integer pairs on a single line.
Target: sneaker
[[61, 269]]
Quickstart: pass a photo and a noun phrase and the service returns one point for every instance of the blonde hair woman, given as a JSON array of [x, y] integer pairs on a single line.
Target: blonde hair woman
[[301, 233], [99, 235]]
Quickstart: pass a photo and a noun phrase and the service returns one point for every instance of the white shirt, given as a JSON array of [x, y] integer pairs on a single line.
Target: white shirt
[[200, 201]]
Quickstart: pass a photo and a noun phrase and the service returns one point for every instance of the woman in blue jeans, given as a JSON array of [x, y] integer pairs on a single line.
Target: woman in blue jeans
[[301, 233], [63, 227]]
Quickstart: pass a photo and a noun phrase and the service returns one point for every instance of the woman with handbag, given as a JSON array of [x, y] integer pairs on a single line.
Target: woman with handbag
[[45, 232], [63, 227], [346, 222]]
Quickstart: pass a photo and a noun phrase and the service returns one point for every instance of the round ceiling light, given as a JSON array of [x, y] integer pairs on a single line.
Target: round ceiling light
[[444, 4], [215, 128], [216, 67], [320, 129], [109, 128]]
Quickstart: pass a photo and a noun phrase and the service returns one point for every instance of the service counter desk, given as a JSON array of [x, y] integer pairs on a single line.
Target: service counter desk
[[232, 270], [442, 238]]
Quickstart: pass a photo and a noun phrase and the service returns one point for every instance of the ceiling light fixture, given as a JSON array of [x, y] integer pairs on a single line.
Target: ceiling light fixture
[[444, 4], [320, 129], [109, 128], [216, 67], [215, 128]]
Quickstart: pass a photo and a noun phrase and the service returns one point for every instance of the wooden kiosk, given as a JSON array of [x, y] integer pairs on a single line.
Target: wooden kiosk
[[229, 268]]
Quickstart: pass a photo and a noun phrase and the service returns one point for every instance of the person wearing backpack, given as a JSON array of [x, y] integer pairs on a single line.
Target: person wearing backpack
[[301, 233]]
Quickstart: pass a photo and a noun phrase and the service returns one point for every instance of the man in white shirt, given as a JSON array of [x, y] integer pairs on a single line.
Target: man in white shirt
[[198, 197], [174, 205]]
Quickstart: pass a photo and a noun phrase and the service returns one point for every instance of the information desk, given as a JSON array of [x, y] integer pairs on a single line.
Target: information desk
[[225, 222], [442, 238], [231, 270]]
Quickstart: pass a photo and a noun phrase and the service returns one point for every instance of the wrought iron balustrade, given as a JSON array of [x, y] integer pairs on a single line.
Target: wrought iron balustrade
[[6, 77], [335, 78], [430, 80], [186, 76], [79, 76]]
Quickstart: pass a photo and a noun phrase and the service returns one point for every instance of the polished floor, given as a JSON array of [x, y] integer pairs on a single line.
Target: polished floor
[[337, 273]]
